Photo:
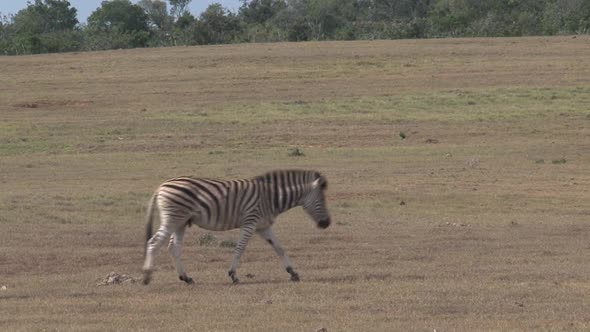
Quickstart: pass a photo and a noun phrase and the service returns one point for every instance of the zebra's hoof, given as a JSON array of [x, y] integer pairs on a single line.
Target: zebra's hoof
[[234, 279], [187, 279], [294, 275], [147, 277]]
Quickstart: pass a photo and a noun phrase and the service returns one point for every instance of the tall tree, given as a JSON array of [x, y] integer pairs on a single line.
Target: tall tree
[[157, 12], [217, 25], [179, 7], [566, 16], [45, 26], [46, 16], [121, 19], [397, 9], [119, 14], [6, 35], [260, 11]]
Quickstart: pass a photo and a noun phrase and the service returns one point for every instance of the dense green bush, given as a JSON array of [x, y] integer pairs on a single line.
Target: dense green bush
[[51, 26]]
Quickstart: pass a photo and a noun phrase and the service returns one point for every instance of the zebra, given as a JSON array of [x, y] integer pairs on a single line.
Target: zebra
[[248, 204]]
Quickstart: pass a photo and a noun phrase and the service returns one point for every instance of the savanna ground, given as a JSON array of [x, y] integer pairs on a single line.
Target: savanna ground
[[479, 219]]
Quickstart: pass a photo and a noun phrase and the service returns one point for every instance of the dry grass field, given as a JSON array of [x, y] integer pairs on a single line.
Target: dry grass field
[[459, 188]]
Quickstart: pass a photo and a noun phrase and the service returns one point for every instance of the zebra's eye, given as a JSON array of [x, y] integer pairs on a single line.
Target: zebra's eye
[[324, 185]]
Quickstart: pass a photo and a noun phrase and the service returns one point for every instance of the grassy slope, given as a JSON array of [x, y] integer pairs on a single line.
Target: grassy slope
[[493, 233]]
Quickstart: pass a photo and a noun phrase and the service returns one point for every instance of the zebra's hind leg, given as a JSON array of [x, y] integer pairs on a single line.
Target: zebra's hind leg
[[270, 237], [170, 221], [175, 248], [246, 232], [153, 246]]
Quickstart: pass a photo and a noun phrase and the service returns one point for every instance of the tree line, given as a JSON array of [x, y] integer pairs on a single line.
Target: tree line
[[49, 26]]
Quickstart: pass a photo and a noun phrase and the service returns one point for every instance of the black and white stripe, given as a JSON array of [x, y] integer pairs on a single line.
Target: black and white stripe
[[248, 204]]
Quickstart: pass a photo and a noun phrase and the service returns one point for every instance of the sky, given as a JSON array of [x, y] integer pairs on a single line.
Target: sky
[[86, 7]]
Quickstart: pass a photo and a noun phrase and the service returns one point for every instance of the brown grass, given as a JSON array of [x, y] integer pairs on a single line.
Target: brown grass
[[492, 234]]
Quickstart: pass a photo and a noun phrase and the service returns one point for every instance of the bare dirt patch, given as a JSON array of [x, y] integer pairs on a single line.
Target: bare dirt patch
[[455, 226], [53, 103]]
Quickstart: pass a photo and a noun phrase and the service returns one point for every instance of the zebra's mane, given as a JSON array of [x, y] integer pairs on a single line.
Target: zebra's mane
[[268, 176]]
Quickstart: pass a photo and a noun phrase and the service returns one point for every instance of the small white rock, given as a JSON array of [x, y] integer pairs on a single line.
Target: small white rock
[[3, 288]]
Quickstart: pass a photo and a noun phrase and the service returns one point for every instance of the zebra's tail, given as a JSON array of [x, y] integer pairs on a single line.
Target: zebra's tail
[[151, 213]]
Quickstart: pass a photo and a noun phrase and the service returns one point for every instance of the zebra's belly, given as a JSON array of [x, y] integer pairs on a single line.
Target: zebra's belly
[[215, 225], [263, 224]]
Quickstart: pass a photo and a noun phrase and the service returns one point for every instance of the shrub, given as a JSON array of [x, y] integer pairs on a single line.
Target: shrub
[[207, 240], [228, 244], [296, 152]]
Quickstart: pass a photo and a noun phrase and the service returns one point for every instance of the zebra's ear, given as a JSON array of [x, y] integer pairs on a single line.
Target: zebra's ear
[[320, 182], [316, 183]]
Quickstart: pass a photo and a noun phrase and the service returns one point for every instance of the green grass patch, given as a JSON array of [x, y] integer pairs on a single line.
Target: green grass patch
[[211, 126], [230, 243], [207, 240], [452, 105]]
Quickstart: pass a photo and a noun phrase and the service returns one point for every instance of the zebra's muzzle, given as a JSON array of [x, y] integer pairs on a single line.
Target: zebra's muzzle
[[324, 223]]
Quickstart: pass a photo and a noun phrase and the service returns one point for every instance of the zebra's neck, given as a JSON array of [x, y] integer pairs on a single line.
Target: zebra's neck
[[285, 189], [284, 198]]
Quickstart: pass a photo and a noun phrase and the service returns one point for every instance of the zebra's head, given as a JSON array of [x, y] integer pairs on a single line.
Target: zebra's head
[[314, 202]]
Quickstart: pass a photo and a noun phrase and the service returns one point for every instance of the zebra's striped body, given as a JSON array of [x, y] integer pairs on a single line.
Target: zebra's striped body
[[248, 204]]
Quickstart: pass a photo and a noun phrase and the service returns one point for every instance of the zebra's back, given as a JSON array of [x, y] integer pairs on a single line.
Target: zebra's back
[[211, 204]]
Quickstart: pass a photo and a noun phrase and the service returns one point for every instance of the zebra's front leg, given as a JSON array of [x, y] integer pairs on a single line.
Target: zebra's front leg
[[175, 248], [246, 232], [270, 237]]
